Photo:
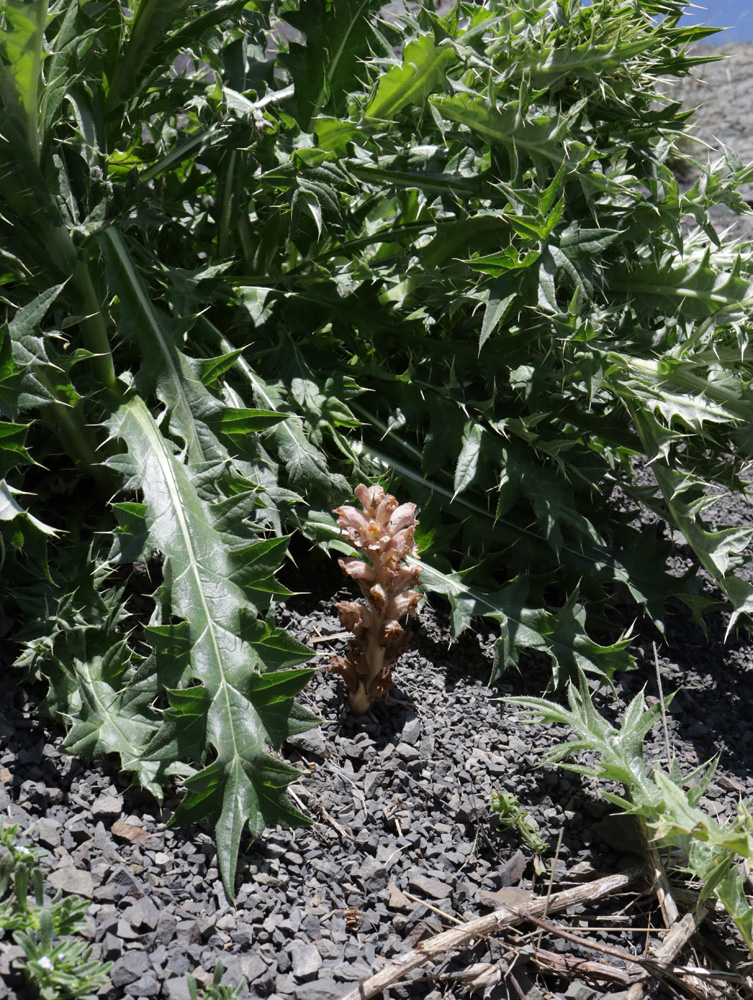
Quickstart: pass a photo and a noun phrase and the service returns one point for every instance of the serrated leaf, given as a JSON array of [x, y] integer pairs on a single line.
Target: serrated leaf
[[693, 288], [12, 446], [561, 634], [240, 423], [10, 509], [325, 69], [165, 367], [21, 49], [110, 710], [245, 784], [495, 311], [470, 452], [421, 73], [541, 140]]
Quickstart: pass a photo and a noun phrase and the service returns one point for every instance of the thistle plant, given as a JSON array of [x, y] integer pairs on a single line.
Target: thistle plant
[[666, 802], [383, 531]]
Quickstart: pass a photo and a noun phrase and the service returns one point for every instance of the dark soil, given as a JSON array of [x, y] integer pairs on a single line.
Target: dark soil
[[404, 839]]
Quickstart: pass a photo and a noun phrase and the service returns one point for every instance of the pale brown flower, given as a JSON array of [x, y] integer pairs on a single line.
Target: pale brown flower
[[384, 532]]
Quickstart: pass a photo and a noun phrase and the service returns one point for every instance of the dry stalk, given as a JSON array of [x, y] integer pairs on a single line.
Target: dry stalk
[[569, 965], [458, 938], [676, 939]]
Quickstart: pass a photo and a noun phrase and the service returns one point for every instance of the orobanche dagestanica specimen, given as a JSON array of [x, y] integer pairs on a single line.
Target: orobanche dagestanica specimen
[[383, 531]]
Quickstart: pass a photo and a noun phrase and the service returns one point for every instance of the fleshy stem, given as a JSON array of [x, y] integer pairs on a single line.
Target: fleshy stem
[[383, 531]]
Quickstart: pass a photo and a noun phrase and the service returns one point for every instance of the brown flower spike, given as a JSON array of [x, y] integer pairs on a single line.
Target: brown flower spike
[[383, 531]]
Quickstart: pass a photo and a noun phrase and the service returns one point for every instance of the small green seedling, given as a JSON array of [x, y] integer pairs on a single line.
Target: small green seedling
[[215, 991], [56, 964], [510, 815]]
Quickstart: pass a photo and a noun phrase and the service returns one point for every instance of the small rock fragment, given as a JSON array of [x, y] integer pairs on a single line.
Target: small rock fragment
[[306, 961], [166, 928], [398, 900], [112, 948], [142, 914], [407, 752], [579, 991], [146, 986], [129, 968], [188, 932], [49, 833], [320, 989], [431, 887], [511, 872], [372, 873], [107, 805], [411, 731], [176, 989], [252, 966], [72, 880]]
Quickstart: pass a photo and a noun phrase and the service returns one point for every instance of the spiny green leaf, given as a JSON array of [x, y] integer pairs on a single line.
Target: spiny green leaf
[[465, 470], [21, 50], [10, 509], [540, 140], [560, 634], [165, 367], [693, 288], [324, 70], [421, 73], [244, 785]]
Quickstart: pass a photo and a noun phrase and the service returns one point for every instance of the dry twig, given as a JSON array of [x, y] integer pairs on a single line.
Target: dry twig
[[676, 939], [458, 938]]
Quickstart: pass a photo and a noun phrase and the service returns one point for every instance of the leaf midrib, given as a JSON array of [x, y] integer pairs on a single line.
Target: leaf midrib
[[157, 444], [194, 445]]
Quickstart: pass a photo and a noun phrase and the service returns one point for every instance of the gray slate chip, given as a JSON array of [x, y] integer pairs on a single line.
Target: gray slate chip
[[112, 948], [327, 949], [176, 989], [428, 886], [107, 806], [373, 874], [147, 986], [188, 932], [252, 966], [285, 984], [166, 928], [126, 931], [129, 968], [306, 961], [311, 742], [49, 833], [143, 914], [407, 752], [411, 732], [178, 963], [320, 989], [72, 880], [511, 872], [351, 972]]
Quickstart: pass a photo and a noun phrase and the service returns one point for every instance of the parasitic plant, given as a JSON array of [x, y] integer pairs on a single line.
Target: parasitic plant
[[383, 531]]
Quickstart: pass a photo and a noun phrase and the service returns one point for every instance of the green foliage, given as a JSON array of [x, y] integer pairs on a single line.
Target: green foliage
[[98, 384], [56, 964], [509, 815], [665, 801], [242, 275], [215, 991]]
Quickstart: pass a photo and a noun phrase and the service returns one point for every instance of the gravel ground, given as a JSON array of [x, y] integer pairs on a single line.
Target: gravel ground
[[403, 825]]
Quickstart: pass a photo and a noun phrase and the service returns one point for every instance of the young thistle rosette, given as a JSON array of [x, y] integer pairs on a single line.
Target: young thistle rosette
[[384, 532]]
